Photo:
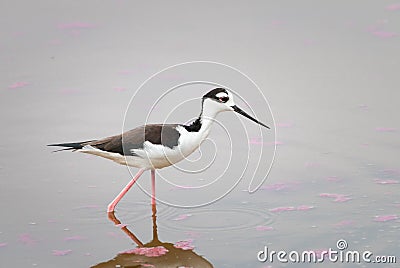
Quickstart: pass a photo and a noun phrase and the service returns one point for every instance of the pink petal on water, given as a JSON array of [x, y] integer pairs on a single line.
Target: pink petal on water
[[299, 208], [148, 252], [304, 207], [337, 197], [275, 187], [327, 195], [182, 217], [280, 186], [3, 245], [185, 245], [393, 7], [342, 198], [280, 209], [57, 252], [18, 85], [381, 181], [384, 34], [385, 218], [26, 239], [264, 228], [385, 129]]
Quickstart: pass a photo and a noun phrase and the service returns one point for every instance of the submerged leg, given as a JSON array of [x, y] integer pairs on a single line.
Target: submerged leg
[[125, 229], [154, 218], [153, 187], [112, 205]]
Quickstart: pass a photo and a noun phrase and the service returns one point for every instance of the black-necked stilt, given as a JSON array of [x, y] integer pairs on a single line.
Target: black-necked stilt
[[156, 146]]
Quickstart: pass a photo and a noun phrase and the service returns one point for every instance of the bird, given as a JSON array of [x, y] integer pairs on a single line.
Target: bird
[[156, 146]]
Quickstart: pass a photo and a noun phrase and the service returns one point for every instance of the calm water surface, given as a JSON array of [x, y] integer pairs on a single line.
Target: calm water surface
[[329, 72]]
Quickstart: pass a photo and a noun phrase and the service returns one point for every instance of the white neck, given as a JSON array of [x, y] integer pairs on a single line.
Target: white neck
[[207, 117]]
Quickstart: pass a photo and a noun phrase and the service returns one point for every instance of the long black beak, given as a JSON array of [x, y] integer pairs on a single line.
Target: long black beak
[[240, 111]]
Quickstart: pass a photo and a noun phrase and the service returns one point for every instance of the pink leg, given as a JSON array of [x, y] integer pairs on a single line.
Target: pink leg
[[112, 205], [153, 187]]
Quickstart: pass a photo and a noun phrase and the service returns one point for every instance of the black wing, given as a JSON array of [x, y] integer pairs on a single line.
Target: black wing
[[166, 135]]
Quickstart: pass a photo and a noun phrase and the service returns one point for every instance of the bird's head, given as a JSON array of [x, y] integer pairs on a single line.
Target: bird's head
[[220, 100]]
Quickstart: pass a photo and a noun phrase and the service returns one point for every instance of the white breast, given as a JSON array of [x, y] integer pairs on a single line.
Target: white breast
[[158, 156]]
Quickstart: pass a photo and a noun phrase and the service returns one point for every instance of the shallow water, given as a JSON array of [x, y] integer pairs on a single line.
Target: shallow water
[[328, 71]]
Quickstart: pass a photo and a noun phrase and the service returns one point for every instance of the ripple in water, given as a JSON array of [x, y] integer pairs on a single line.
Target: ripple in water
[[128, 212], [242, 223], [217, 219]]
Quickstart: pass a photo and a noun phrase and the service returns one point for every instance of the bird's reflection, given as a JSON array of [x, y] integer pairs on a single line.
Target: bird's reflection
[[154, 253]]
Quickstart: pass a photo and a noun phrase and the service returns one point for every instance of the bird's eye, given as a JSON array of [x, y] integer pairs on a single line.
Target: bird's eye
[[223, 99]]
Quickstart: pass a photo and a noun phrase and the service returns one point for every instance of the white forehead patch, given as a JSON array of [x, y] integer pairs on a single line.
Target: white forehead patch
[[221, 95]]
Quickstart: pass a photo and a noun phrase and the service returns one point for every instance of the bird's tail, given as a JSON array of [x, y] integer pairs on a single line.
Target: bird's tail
[[69, 146]]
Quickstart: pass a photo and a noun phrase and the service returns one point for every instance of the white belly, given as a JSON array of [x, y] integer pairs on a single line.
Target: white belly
[[158, 156]]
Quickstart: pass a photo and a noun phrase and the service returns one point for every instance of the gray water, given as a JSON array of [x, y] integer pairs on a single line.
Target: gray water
[[329, 71]]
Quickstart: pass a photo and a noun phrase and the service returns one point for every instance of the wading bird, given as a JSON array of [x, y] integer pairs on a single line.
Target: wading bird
[[156, 146]]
